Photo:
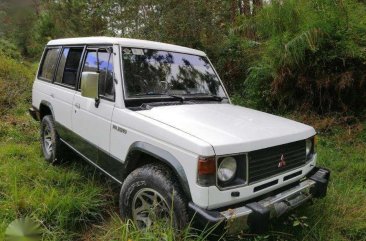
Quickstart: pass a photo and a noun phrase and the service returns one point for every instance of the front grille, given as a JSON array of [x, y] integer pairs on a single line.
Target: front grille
[[264, 163]]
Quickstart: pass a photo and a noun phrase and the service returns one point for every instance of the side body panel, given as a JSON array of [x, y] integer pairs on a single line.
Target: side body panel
[[92, 124], [58, 97]]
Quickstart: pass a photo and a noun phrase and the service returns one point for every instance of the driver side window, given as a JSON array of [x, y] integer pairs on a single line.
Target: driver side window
[[106, 77]]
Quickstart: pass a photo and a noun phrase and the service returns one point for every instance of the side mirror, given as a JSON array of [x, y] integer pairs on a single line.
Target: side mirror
[[90, 85]]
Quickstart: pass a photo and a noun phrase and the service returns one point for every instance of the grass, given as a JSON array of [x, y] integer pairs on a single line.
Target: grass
[[342, 214], [65, 199], [73, 201]]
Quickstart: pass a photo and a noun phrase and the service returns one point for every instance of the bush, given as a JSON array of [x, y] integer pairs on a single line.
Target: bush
[[311, 56], [15, 83], [8, 49]]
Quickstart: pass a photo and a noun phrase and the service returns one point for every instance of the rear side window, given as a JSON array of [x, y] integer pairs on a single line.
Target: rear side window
[[49, 64], [69, 65], [106, 77]]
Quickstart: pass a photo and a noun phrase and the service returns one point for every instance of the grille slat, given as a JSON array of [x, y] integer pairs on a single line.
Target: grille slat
[[272, 168], [265, 155], [268, 174], [258, 163], [264, 163]]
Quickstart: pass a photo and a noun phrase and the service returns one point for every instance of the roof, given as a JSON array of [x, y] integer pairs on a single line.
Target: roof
[[126, 42]]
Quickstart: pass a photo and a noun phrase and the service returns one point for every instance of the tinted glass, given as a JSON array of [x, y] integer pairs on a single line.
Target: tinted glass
[[106, 86], [49, 64], [154, 72], [71, 66], [68, 66], [61, 65]]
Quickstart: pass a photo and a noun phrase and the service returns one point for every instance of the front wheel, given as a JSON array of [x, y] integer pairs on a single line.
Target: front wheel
[[150, 194]]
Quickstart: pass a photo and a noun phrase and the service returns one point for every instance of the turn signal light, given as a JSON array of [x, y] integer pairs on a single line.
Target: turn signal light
[[206, 166], [206, 175]]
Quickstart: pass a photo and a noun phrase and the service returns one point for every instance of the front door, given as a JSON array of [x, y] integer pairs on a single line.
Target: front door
[[92, 121]]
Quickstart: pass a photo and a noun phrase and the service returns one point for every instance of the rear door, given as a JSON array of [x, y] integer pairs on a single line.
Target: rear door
[[91, 122], [63, 90]]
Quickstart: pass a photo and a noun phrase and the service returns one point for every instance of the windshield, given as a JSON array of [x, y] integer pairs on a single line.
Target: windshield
[[154, 72]]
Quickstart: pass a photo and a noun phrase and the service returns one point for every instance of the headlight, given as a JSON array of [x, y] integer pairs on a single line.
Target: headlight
[[309, 146], [227, 169]]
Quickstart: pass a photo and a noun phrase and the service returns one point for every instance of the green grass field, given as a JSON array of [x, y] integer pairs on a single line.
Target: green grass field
[[73, 201]]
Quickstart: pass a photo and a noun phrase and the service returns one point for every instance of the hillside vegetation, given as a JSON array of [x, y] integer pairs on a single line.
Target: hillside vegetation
[[306, 55], [302, 59], [277, 55]]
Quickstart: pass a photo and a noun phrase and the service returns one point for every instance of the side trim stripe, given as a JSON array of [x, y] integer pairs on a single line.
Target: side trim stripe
[[91, 162], [113, 167]]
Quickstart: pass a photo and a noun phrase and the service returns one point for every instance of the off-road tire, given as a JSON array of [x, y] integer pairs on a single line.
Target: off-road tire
[[159, 178], [54, 156]]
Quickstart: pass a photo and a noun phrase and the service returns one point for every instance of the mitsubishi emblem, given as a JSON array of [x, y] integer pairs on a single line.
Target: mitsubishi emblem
[[282, 162]]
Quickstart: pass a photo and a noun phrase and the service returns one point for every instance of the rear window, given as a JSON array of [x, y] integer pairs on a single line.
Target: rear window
[[49, 64], [69, 65]]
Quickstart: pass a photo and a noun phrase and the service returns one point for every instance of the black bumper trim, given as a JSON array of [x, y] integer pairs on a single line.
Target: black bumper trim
[[321, 176], [258, 220], [204, 216]]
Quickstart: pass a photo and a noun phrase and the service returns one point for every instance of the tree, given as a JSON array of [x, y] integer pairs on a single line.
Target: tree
[[257, 5], [18, 18]]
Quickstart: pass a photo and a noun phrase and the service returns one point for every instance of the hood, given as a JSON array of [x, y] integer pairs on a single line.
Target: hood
[[229, 128]]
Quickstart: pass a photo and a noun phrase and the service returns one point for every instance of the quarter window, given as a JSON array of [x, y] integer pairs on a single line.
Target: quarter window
[[106, 77], [49, 64], [69, 65]]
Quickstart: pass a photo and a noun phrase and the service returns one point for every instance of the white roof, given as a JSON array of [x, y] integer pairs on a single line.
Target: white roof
[[126, 42]]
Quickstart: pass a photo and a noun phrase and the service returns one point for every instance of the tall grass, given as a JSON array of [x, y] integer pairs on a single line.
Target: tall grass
[[15, 83], [118, 230], [310, 55], [65, 199]]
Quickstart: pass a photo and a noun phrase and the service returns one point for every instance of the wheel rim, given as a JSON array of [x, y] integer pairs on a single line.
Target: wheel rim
[[47, 140], [149, 206]]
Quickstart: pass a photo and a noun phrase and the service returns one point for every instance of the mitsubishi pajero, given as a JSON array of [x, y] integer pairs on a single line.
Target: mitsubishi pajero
[[156, 118]]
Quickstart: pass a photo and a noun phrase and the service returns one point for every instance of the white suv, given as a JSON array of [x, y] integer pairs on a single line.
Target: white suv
[[157, 119]]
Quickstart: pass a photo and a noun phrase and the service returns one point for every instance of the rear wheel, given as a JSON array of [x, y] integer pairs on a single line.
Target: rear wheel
[[151, 194], [50, 142]]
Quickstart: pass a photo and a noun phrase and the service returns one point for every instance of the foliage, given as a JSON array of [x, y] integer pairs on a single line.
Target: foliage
[[116, 229], [15, 82], [9, 49], [280, 56], [311, 56], [16, 25]]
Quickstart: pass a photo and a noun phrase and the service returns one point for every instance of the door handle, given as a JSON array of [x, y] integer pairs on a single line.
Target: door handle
[[77, 105], [52, 95]]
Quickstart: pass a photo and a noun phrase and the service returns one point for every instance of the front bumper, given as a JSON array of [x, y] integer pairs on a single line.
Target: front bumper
[[255, 215]]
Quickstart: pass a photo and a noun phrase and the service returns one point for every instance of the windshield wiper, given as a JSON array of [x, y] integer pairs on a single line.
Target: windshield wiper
[[177, 97], [205, 95]]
